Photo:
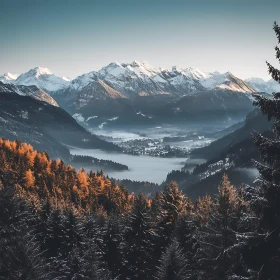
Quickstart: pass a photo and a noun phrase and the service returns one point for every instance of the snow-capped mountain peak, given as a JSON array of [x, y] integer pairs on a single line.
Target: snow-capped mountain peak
[[143, 64], [114, 69], [8, 78], [261, 85], [67, 79], [136, 63], [43, 78], [41, 71], [194, 73], [141, 68], [255, 80]]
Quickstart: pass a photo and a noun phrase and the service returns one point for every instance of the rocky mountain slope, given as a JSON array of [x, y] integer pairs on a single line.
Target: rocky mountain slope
[[255, 121], [45, 126], [217, 103], [31, 91], [231, 154]]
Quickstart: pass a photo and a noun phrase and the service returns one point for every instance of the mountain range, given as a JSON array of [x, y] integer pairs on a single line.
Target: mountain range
[[140, 78], [136, 78], [137, 89], [139, 92]]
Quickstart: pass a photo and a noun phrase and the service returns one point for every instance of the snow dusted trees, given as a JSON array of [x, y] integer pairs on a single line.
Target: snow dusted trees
[[137, 244], [171, 204], [173, 264], [20, 254], [219, 234], [268, 246]]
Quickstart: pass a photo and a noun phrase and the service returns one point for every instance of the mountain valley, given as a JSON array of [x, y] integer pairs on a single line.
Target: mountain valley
[[129, 108]]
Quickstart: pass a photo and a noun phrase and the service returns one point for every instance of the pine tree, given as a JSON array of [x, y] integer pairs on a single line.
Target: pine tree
[[20, 256], [185, 235], [111, 239], [268, 246], [92, 264], [173, 264], [203, 209], [67, 263], [72, 230], [171, 205], [41, 226], [220, 233], [137, 242], [54, 235]]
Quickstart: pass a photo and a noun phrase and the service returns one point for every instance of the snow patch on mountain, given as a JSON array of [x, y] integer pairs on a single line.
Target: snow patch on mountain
[[143, 115], [89, 118], [78, 117], [102, 125], [24, 114], [216, 167], [113, 119]]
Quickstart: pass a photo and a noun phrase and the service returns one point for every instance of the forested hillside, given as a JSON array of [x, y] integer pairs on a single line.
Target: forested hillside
[[71, 225], [38, 178]]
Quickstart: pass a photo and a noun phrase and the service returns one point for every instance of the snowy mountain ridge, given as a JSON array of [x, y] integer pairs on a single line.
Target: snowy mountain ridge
[[8, 77], [135, 79], [142, 79], [261, 85], [39, 76]]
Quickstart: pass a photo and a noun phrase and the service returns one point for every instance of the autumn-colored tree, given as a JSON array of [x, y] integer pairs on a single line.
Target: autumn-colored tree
[[29, 179], [82, 178], [59, 183], [203, 209]]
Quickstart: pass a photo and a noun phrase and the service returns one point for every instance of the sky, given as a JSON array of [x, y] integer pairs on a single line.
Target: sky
[[72, 37]]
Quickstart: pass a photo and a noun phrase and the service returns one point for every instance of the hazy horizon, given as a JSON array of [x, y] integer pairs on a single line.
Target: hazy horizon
[[71, 37]]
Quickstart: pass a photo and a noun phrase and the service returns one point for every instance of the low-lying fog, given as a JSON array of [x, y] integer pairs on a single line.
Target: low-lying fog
[[141, 168], [149, 168]]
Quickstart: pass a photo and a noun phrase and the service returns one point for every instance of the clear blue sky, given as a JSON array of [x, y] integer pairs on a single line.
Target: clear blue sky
[[73, 37]]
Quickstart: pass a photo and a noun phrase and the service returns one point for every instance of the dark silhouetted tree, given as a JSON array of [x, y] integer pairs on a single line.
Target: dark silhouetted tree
[[268, 246], [137, 245]]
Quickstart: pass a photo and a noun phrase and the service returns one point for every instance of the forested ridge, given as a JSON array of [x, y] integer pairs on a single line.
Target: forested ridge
[[57, 223]]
